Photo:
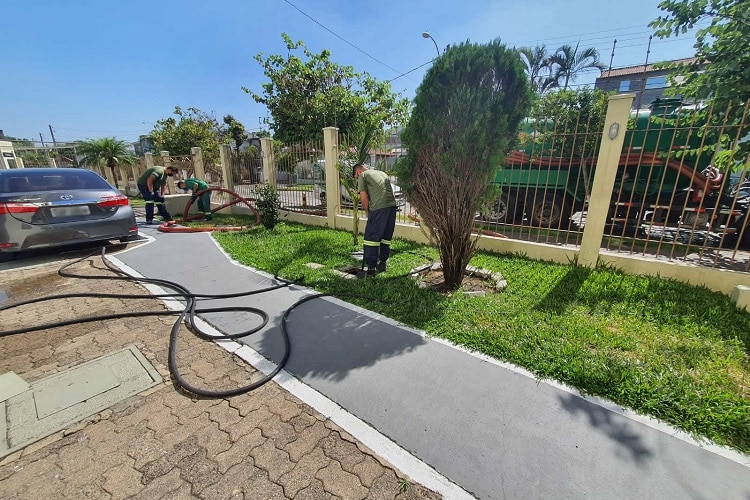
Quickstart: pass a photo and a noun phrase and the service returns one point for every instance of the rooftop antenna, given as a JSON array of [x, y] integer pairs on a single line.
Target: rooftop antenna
[[643, 78], [609, 71]]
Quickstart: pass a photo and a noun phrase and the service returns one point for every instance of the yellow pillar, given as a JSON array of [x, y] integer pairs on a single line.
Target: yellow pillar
[[333, 183], [167, 161], [197, 158], [269, 160], [615, 124]]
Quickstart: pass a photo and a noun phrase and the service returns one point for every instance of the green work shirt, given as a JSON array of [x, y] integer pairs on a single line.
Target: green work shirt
[[377, 185], [191, 185], [158, 173]]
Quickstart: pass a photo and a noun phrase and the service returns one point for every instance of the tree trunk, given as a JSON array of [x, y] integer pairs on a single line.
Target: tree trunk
[[355, 217]]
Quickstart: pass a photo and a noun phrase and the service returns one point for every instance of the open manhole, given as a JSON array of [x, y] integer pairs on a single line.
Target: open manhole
[[349, 271]]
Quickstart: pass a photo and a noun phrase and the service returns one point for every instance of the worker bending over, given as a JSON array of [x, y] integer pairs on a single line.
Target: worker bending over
[[379, 203], [195, 186]]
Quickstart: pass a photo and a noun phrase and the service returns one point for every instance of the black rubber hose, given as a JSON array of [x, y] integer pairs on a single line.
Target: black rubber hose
[[186, 314]]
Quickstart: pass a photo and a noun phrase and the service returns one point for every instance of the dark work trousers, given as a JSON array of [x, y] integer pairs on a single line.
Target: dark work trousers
[[151, 198], [204, 203], [378, 234]]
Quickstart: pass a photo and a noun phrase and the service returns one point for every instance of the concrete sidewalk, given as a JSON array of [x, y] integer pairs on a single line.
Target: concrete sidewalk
[[491, 428]]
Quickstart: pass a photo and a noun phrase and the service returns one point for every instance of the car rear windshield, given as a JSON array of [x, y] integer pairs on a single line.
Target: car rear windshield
[[28, 181]]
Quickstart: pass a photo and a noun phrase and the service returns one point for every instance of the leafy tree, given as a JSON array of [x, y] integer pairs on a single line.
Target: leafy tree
[[237, 131], [567, 123], [720, 72], [17, 141], [35, 158], [191, 128], [567, 63], [465, 121], [108, 152], [306, 94]]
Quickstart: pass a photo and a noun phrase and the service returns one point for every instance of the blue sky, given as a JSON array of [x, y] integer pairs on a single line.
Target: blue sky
[[100, 68]]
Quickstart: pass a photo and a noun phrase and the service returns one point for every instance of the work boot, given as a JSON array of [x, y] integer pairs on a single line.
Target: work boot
[[380, 267], [370, 273]]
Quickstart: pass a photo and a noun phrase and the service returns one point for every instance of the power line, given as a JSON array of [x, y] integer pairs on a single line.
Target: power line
[[340, 37]]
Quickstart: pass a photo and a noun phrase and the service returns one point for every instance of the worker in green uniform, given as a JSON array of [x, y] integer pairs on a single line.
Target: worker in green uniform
[[379, 203], [152, 185], [195, 186]]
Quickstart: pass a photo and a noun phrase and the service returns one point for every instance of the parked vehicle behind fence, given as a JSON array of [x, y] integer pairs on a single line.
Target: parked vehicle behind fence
[[655, 184]]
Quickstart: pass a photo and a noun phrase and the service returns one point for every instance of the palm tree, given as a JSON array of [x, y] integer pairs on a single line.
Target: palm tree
[[568, 63], [356, 149], [108, 152], [538, 67]]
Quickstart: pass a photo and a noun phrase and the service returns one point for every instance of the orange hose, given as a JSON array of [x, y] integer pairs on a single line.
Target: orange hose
[[171, 227]]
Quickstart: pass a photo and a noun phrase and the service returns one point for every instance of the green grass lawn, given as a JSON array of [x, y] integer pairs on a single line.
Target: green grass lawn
[[672, 351], [136, 201]]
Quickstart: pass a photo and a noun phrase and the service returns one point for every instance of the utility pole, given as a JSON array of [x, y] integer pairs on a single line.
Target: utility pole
[[54, 142], [57, 154]]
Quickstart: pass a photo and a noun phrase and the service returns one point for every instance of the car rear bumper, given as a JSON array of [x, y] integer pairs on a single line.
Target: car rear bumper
[[17, 236]]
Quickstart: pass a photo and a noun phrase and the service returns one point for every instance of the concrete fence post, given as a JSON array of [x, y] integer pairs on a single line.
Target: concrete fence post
[[615, 124], [225, 154], [269, 160], [167, 161], [109, 175], [149, 159], [136, 170], [124, 176], [333, 183], [196, 155]]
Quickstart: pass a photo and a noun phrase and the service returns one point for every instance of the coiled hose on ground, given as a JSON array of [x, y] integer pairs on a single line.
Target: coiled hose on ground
[[187, 313]]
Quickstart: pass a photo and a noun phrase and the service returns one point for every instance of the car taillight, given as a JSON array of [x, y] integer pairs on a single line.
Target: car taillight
[[18, 208], [113, 201]]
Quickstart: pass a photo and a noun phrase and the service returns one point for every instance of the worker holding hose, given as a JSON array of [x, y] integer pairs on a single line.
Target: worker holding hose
[[195, 186], [379, 203], [151, 186]]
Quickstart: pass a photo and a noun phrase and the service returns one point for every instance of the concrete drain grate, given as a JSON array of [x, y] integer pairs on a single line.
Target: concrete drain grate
[[60, 400]]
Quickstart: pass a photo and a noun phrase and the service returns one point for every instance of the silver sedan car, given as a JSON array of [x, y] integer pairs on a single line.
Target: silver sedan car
[[46, 207]]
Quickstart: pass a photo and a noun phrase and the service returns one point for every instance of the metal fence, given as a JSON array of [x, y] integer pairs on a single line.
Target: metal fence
[[380, 156], [300, 177], [677, 196]]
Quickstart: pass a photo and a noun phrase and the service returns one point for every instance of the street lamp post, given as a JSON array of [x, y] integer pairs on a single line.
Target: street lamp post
[[427, 35]]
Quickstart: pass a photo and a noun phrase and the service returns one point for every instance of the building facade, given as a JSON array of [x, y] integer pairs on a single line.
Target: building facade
[[644, 80]]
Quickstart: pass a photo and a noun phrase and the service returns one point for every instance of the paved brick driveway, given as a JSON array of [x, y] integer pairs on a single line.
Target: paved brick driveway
[[163, 443]]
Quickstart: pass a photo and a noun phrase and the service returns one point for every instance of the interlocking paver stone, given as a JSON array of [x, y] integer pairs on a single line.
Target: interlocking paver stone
[[164, 443], [341, 483], [303, 472]]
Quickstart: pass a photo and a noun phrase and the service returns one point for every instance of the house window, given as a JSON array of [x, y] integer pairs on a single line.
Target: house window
[[624, 86], [656, 82]]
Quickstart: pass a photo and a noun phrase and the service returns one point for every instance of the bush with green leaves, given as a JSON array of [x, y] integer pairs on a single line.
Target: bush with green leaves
[[268, 204]]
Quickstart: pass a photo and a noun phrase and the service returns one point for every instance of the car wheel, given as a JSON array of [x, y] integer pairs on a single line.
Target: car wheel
[[8, 256], [502, 211], [549, 211], [743, 230]]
